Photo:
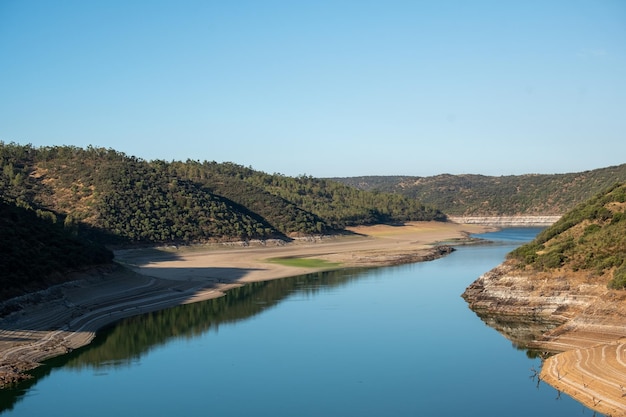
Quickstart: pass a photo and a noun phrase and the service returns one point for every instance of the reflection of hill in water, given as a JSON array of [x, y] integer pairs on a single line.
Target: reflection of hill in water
[[521, 331], [131, 338]]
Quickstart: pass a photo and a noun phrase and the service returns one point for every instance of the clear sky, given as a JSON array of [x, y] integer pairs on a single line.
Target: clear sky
[[323, 88]]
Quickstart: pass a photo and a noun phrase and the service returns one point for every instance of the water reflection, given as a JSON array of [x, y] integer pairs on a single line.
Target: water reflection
[[135, 336], [124, 343], [522, 331]]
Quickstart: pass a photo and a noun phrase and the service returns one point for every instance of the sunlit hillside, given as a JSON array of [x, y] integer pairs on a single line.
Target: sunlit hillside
[[480, 195], [115, 198], [591, 237]]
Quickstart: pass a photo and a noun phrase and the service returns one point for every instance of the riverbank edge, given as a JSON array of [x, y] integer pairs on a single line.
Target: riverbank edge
[[65, 317], [507, 221], [591, 324]]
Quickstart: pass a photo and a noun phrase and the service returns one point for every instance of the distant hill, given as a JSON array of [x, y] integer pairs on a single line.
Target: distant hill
[[479, 195], [590, 237], [107, 196]]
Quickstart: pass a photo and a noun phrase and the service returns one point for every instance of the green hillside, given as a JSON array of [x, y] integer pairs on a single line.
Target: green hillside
[[591, 237], [341, 205], [480, 195], [114, 198]]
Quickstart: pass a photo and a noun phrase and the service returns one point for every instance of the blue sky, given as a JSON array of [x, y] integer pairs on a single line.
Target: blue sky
[[323, 88]]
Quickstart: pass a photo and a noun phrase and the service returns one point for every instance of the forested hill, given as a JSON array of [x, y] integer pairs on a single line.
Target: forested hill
[[36, 251], [479, 195], [590, 237], [106, 196]]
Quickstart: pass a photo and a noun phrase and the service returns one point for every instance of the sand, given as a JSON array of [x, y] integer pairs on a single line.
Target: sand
[[592, 364], [595, 376], [63, 318]]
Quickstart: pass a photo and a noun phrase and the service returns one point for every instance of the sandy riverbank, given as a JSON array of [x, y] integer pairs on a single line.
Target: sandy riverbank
[[66, 317]]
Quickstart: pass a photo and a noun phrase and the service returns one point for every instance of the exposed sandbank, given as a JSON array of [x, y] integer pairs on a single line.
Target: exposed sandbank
[[55, 321]]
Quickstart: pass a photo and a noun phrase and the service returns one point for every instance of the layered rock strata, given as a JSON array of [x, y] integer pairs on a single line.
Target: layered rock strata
[[569, 313]]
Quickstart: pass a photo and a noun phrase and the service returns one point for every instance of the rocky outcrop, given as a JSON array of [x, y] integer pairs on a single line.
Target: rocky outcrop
[[562, 311], [506, 221], [575, 301], [507, 291]]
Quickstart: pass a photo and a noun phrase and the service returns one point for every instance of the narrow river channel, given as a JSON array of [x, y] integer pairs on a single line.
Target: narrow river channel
[[396, 341]]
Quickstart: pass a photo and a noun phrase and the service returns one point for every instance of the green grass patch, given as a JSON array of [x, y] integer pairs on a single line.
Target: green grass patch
[[304, 262]]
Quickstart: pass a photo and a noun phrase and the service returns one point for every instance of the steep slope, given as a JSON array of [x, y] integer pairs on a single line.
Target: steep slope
[[36, 251], [480, 195], [570, 281], [230, 181], [591, 237]]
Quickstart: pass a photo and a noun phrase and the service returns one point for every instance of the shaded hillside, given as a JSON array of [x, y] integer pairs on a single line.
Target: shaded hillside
[[342, 205], [591, 237], [36, 250], [229, 181], [478, 195], [304, 200], [109, 196]]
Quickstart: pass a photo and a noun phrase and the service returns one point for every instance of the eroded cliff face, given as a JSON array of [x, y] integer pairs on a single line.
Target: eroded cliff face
[[563, 311], [578, 302], [509, 291]]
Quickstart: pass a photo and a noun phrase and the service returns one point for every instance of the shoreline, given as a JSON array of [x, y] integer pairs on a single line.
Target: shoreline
[[508, 221], [581, 325], [65, 317]]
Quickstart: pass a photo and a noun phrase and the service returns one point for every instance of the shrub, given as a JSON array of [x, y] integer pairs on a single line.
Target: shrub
[[618, 282]]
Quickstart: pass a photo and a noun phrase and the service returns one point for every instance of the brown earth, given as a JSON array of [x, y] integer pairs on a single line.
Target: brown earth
[[578, 318], [53, 322]]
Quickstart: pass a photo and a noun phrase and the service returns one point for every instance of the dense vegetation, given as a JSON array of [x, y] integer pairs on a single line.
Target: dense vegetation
[[479, 195], [590, 237], [35, 251], [108, 196], [341, 205]]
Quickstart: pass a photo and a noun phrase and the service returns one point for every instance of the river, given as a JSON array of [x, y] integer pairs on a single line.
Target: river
[[395, 341]]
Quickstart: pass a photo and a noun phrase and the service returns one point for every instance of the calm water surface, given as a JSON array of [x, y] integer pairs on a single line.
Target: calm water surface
[[396, 341]]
